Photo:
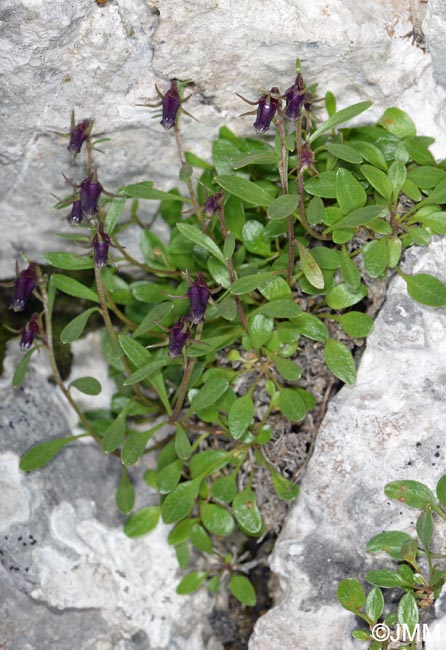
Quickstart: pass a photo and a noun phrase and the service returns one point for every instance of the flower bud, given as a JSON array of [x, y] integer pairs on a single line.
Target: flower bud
[[179, 333], [171, 103], [75, 216], [266, 110], [295, 98], [212, 204], [199, 294], [79, 133], [29, 333], [23, 288], [306, 158], [90, 191], [101, 244]]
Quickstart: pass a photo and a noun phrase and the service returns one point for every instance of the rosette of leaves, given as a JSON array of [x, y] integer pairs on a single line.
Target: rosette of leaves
[[370, 192]]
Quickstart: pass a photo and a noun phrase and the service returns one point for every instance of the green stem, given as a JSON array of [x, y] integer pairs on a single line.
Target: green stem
[[141, 265], [189, 183], [190, 363], [283, 171]]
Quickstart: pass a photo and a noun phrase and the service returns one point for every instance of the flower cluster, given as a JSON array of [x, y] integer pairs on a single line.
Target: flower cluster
[[198, 294]]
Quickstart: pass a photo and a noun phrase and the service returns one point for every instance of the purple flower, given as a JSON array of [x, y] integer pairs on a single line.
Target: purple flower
[[90, 191], [212, 204], [23, 288], [101, 244], [29, 333], [266, 109], [178, 335], [295, 98], [75, 216], [171, 103], [306, 158], [199, 294], [79, 133]]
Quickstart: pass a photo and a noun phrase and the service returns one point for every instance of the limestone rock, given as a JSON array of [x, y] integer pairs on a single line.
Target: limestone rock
[[103, 61], [388, 426]]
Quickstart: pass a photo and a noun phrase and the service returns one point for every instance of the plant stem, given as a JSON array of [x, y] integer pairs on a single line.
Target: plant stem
[[190, 363], [189, 183], [283, 171], [141, 265], [231, 270]]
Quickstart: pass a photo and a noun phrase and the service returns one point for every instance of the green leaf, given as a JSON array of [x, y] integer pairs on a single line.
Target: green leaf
[[246, 512], [191, 582], [408, 613], [41, 454], [371, 153], [135, 446], [224, 155], [87, 385], [384, 578], [425, 528], [216, 519], [224, 488], [69, 261], [209, 393], [418, 151], [179, 503], [283, 206], [114, 212], [182, 531], [323, 185], [275, 288], [153, 318], [327, 258], [244, 189], [330, 103], [378, 180], [288, 369], [281, 309], [208, 462], [438, 195], [284, 488], [398, 122], [349, 270], [182, 553], [426, 177], [340, 117], [412, 493], [185, 173], [351, 594], [349, 192], [255, 238], [259, 158], [249, 283], [240, 416], [21, 368], [397, 176], [200, 539], [168, 477], [142, 522], [342, 296], [242, 589], [73, 287], [147, 371], [310, 267], [389, 541], [374, 604], [395, 248], [441, 490], [145, 190], [75, 328], [360, 217], [195, 235], [314, 211], [356, 324], [229, 246], [115, 433], [376, 257], [344, 152], [362, 635], [292, 405], [182, 443], [340, 361], [125, 494], [426, 289], [311, 327], [260, 329]]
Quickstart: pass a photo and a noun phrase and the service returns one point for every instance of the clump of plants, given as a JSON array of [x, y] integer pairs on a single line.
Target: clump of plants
[[275, 242], [418, 577]]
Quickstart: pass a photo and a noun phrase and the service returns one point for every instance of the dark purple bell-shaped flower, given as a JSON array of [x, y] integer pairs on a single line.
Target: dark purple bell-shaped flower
[[295, 98], [90, 191], [76, 215], [266, 110], [29, 333], [212, 204], [199, 294], [171, 103], [178, 335], [23, 288], [101, 244], [79, 133]]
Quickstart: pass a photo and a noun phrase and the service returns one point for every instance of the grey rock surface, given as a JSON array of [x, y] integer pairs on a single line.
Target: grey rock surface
[[69, 577], [388, 426], [104, 60]]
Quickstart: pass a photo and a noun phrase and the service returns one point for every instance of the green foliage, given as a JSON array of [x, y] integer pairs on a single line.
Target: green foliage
[[281, 236]]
